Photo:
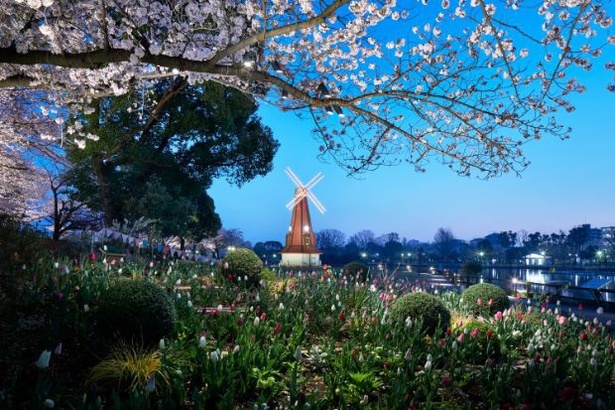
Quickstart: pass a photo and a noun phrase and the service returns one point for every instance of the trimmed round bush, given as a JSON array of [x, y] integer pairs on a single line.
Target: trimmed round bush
[[136, 311], [357, 270], [427, 308], [243, 263], [485, 299], [483, 341]]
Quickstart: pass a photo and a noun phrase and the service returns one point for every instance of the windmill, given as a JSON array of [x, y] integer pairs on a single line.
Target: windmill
[[300, 248]]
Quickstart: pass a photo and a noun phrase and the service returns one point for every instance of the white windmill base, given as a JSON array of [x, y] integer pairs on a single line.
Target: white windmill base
[[300, 259]]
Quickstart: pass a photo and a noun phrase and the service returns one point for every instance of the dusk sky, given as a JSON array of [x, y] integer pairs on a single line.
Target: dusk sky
[[568, 183]]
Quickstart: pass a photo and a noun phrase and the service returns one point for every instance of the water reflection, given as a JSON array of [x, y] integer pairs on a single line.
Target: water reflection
[[511, 279]]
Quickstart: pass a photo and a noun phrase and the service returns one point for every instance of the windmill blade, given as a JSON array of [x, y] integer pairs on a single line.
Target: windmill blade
[[293, 177], [314, 180], [316, 202], [298, 197]]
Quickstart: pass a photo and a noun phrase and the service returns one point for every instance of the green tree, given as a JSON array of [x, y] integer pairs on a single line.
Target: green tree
[[155, 152], [578, 237]]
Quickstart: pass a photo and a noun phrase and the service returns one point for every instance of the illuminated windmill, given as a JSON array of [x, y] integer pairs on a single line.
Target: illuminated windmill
[[300, 248]]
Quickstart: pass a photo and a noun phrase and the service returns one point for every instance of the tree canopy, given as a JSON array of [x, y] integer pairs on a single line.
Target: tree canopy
[[155, 153], [465, 83]]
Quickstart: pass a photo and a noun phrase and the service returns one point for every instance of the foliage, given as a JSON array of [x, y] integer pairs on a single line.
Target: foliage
[[357, 270], [137, 311], [22, 128], [423, 307], [315, 339], [157, 161], [482, 340], [467, 85], [127, 367], [268, 275], [19, 243], [485, 299], [243, 264]]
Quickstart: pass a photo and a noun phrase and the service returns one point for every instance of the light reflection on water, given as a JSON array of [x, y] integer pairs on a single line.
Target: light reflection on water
[[506, 278]]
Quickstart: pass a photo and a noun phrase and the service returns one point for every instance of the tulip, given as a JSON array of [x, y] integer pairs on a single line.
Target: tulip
[[58, 349], [257, 321], [202, 341], [43, 359], [428, 365], [215, 355], [50, 404], [151, 384], [298, 354]]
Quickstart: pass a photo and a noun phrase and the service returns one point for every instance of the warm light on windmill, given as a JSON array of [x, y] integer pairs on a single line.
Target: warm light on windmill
[[301, 249]]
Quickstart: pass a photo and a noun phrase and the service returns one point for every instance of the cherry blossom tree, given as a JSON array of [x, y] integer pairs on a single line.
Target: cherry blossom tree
[[27, 136], [463, 82]]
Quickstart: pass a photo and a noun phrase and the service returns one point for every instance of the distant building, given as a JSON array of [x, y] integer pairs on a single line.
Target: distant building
[[537, 259]]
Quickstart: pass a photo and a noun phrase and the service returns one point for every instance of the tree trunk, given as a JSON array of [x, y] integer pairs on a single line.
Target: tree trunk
[[106, 196]]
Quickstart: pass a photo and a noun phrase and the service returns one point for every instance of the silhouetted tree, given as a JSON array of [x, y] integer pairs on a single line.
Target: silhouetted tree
[[444, 243]]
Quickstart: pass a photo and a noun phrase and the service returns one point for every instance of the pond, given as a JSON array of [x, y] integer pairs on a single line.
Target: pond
[[549, 280]]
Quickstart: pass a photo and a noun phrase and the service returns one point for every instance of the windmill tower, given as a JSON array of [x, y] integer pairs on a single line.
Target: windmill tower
[[300, 248]]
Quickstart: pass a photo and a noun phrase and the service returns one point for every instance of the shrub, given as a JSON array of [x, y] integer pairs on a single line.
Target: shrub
[[268, 275], [425, 307], [245, 263], [357, 270], [483, 341], [485, 299], [136, 311]]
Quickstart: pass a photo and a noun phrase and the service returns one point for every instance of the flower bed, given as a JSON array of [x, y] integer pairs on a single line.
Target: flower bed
[[304, 340]]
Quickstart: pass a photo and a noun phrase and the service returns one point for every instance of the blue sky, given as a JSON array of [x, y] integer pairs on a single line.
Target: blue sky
[[569, 183]]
